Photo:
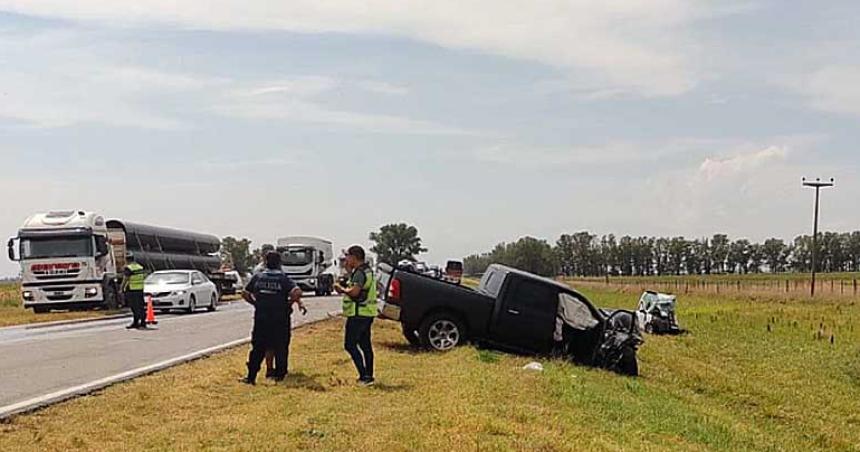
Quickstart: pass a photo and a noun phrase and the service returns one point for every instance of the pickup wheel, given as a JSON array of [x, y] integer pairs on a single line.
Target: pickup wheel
[[441, 332], [411, 335]]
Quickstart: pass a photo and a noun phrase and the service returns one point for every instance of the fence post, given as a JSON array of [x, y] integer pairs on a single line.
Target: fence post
[[855, 287], [786, 286]]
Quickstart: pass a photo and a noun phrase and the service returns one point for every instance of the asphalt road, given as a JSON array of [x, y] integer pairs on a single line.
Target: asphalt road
[[39, 360]]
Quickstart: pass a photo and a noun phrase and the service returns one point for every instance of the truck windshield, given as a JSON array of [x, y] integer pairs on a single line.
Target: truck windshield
[[302, 256], [57, 247], [168, 278]]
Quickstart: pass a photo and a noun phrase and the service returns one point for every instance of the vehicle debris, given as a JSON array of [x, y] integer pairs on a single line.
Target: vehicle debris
[[535, 367], [656, 313]]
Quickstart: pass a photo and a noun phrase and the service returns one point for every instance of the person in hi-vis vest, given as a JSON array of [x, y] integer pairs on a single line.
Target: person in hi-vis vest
[[359, 308], [132, 286]]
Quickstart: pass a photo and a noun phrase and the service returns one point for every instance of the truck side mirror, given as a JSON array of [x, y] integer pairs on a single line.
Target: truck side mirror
[[101, 246], [10, 245]]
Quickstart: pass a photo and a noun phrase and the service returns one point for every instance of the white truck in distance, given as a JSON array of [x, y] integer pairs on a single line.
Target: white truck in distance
[[306, 260]]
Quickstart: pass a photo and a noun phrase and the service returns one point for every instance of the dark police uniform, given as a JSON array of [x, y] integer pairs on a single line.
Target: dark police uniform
[[272, 311], [135, 275]]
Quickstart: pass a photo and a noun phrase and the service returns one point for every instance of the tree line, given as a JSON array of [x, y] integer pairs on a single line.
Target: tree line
[[586, 254]]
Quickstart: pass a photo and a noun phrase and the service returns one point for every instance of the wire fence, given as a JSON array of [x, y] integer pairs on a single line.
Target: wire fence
[[849, 288]]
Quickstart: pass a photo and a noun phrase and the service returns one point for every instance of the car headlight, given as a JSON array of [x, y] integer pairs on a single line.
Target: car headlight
[[91, 292], [179, 292], [27, 295], [313, 281]]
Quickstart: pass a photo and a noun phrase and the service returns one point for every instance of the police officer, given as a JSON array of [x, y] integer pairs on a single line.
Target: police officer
[[359, 308], [132, 286], [272, 293]]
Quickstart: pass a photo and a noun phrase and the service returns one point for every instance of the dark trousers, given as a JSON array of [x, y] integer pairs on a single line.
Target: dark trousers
[[269, 337], [357, 344], [134, 300]]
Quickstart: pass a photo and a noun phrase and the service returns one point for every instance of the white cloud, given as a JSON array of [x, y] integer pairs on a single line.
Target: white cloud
[[643, 46], [713, 168], [296, 100]]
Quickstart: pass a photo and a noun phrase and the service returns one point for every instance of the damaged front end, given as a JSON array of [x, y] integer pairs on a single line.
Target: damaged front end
[[656, 312], [622, 337]]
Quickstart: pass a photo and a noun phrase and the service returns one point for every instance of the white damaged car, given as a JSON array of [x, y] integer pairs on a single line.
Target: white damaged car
[[181, 289]]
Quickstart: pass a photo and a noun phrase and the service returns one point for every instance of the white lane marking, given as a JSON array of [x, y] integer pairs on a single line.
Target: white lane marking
[[87, 388], [65, 394]]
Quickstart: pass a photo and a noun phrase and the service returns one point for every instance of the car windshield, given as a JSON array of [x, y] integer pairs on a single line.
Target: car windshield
[[301, 256], [81, 246], [167, 278]]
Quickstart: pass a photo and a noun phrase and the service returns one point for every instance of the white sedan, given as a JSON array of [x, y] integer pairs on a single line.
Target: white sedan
[[181, 289]]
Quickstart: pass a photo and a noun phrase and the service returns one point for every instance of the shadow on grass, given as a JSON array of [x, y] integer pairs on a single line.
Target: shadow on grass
[[401, 347], [301, 380], [384, 387]]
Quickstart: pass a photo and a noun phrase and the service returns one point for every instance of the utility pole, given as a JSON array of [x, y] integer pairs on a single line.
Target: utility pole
[[817, 185]]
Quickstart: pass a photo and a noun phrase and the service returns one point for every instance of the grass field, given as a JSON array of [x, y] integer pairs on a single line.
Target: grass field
[[753, 374], [13, 313]]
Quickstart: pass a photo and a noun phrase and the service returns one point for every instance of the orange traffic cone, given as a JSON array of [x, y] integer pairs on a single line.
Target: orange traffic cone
[[150, 312]]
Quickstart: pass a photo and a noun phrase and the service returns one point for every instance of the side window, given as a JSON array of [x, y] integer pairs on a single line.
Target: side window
[[534, 296], [196, 278], [492, 283]]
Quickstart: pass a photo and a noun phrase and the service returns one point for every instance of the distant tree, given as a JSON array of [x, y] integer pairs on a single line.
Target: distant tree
[[476, 264], [775, 254], [756, 258], [239, 250], [739, 256], [532, 255], [396, 242], [720, 252]]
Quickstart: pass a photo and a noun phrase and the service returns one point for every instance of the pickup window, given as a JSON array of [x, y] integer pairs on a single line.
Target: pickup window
[[491, 284]]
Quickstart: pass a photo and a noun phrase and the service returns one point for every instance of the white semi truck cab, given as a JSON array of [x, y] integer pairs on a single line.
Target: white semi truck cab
[[74, 259], [306, 260], [66, 260]]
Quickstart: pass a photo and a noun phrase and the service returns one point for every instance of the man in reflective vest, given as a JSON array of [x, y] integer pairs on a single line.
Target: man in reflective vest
[[359, 308], [132, 286]]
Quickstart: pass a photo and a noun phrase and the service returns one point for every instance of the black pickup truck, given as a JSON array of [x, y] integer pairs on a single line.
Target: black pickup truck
[[512, 310]]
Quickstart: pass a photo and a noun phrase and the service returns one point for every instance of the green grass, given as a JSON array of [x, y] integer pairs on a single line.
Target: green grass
[[754, 373]]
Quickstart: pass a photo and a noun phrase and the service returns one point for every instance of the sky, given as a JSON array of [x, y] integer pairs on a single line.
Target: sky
[[477, 121]]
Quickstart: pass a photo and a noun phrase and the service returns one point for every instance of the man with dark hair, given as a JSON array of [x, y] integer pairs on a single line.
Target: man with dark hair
[[359, 308], [272, 293]]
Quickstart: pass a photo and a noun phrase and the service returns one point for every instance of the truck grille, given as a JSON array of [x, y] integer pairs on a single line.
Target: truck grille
[[60, 297], [307, 273]]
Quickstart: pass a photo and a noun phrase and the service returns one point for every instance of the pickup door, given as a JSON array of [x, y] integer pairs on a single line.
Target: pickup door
[[525, 314]]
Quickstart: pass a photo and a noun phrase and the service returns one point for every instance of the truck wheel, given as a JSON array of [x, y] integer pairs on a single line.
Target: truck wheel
[[441, 332], [110, 296], [411, 335]]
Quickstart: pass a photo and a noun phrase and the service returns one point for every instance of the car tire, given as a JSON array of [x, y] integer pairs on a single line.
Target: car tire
[[411, 335], [192, 304], [213, 305], [628, 364], [442, 332]]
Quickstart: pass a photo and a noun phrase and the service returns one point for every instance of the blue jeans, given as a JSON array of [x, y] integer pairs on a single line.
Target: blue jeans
[[357, 344]]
